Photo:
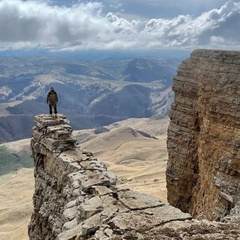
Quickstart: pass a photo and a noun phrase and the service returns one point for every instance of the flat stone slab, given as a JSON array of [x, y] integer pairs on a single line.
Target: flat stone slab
[[93, 165], [52, 144], [135, 200], [45, 120], [91, 207], [142, 221], [101, 190]]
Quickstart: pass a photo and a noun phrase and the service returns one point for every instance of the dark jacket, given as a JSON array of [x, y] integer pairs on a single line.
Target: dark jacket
[[52, 98]]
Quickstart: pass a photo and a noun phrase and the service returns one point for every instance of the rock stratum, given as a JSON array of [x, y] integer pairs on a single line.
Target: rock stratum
[[203, 171], [77, 198]]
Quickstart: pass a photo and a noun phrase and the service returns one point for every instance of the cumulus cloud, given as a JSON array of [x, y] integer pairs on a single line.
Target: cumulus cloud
[[31, 24]]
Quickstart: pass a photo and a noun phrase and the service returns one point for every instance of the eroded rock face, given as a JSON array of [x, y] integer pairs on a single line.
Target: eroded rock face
[[77, 198], [203, 171]]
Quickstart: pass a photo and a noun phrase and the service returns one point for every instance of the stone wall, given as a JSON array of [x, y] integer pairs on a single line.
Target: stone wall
[[203, 171]]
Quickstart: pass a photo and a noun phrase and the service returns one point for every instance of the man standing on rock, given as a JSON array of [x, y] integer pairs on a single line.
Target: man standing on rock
[[52, 100]]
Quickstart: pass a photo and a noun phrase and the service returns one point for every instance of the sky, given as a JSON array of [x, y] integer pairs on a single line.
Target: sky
[[65, 25]]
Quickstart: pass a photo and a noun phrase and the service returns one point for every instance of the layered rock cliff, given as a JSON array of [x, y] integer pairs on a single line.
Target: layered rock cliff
[[203, 170], [77, 198]]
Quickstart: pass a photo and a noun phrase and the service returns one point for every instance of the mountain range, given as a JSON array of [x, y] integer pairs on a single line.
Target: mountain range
[[91, 93]]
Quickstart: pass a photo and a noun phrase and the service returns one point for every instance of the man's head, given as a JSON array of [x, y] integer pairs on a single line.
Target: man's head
[[52, 89]]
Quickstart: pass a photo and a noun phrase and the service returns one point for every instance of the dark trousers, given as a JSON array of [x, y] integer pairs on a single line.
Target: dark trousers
[[53, 106]]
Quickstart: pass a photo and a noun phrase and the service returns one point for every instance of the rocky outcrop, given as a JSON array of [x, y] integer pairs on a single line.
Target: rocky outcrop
[[203, 170], [77, 198]]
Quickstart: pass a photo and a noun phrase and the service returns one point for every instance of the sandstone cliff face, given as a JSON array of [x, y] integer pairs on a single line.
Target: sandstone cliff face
[[203, 171]]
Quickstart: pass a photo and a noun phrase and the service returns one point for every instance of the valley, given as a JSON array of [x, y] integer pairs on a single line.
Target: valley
[[134, 149], [91, 93], [118, 110]]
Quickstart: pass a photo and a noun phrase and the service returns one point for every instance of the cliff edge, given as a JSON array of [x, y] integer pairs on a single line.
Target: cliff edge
[[77, 198], [203, 170]]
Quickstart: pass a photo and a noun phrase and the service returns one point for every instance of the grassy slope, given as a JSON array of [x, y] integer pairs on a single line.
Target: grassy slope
[[11, 161]]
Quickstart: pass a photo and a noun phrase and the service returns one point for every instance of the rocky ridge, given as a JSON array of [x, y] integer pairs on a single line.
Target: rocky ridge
[[203, 171], [77, 198]]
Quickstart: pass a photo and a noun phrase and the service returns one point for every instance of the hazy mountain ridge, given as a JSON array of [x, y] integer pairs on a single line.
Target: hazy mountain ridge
[[91, 93]]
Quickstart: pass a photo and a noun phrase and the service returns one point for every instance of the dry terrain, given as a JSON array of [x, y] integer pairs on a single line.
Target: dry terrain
[[138, 160], [16, 190]]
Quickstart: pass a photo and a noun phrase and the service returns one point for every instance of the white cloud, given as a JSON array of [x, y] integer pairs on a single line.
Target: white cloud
[[30, 24]]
